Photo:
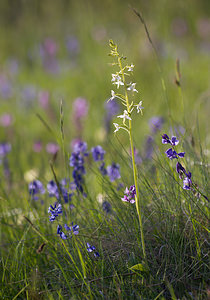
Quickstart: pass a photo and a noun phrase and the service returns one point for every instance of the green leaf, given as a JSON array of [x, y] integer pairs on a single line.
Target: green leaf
[[139, 268]]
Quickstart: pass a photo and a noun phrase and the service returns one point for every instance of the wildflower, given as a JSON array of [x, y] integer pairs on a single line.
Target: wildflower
[[80, 108], [102, 169], [37, 147], [113, 171], [116, 79], [130, 68], [129, 194], [139, 107], [173, 154], [113, 96], [73, 228], [61, 233], [132, 87], [52, 148], [117, 127], [54, 211], [54, 191], [180, 170], [155, 124], [125, 116], [36, 187], [77, 161], [166, 140], [6, 120], [187, 182], [107, 208], [98, 153], [92, 249], [5, 148]]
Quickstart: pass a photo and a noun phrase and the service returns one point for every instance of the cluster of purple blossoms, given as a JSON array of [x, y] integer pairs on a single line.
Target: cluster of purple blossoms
[[74, 229], [98, 153], [62, 191], [129, 194], [36, 188], [54, 211], [171, 153], [92, 249], [77, 162]]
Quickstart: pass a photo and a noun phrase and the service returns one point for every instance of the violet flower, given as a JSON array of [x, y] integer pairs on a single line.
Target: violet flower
[[98, 153], [129, 194], [113, 172]]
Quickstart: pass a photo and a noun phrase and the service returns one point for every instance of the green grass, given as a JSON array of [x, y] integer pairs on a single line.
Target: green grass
[[35, 262]]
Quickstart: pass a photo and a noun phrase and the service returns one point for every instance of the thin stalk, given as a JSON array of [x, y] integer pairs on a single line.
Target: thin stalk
[[137, 198]]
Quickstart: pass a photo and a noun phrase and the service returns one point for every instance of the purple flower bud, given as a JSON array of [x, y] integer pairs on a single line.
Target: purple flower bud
[[165, 139]]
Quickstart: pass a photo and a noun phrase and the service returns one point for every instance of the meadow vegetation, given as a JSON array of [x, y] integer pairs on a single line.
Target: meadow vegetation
[[104, 158]]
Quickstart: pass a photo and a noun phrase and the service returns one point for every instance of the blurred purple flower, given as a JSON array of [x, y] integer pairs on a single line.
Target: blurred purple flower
[[98, 153], [113, 172], [52, 148], [35, 188], [5, 148], [72, 45], [112, 109], [102, 169], [156, 124], [5, 88], [80, 108], [37, 147], [6, 120], [28, 93], [43, 98]]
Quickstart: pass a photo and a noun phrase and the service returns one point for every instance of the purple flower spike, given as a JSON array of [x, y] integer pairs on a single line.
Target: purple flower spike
[[165, 139], [98, 153], [171, 153], [54, 211]]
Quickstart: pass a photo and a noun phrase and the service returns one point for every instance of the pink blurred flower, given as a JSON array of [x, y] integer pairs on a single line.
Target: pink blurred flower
[[52, 148], [43, 98], [80, 108], [6, 120], [37, 147]]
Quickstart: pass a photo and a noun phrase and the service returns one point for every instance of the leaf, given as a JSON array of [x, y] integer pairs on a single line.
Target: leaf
[[139, 268]]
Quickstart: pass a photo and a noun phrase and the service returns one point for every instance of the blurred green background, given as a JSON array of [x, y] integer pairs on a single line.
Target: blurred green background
[[60, 48]]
